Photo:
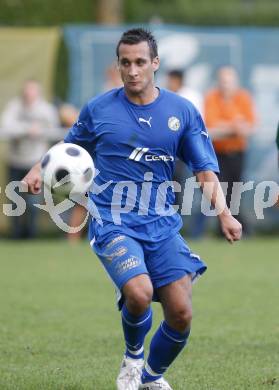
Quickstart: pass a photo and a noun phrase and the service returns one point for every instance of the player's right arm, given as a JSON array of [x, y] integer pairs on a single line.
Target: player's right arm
[[33, 179]]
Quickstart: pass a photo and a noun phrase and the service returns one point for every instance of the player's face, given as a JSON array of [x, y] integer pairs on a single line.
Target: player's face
[[137, 67]]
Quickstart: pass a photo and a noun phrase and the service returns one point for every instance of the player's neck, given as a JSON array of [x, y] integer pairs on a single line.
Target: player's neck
[[145, 97]]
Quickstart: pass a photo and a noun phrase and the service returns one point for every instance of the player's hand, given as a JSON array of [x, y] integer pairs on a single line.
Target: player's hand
[[33, 179], [231, 228]]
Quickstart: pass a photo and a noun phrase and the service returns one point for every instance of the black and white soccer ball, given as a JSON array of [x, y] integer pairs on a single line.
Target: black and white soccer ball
[[67, 169]]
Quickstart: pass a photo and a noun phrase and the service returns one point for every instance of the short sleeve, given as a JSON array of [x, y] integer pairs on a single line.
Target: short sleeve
[[195, 147], [82, 132]]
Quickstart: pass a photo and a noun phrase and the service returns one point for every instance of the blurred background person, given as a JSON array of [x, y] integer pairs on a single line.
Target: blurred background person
[[26, 122], [177, 82], [68, 114], [230, 119]]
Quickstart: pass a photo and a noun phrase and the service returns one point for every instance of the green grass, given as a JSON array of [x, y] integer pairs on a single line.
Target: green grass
[[59, 328]]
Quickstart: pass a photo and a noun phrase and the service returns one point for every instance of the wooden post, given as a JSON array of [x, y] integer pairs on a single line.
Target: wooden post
[[109, 11]]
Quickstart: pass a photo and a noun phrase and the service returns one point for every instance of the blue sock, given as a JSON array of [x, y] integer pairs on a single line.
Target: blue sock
[[164, 348], [135, 329]]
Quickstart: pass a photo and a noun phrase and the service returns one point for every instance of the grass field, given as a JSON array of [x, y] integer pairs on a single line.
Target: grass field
[[59, 328]]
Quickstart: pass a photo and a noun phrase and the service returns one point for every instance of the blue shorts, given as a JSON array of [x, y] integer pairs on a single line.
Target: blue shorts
[[125, 257]]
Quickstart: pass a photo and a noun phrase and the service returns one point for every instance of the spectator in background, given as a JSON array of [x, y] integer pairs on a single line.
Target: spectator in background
[[230, 119], [26, 122], [176, 83], [67, 115]]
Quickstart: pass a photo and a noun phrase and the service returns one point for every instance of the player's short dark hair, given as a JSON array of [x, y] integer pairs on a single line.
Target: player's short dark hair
[[176, 73], [137, 35]]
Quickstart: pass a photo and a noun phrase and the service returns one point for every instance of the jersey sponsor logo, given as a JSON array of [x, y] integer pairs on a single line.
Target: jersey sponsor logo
[[174, 123], [153, 157], [138, 153], [147, 121]]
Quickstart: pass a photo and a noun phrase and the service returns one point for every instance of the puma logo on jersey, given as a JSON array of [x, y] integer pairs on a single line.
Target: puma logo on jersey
[[146, 121]]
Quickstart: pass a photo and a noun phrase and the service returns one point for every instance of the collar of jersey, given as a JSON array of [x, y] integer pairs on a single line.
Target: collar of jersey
[[142, 106]]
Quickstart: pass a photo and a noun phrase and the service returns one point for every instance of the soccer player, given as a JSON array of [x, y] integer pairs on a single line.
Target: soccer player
[[134, 135]]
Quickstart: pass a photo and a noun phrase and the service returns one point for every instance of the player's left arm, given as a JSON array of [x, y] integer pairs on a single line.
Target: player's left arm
[[212, 190], [197, 151]]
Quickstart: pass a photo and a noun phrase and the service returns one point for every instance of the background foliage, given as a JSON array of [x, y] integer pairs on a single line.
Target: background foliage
[[193, 12]]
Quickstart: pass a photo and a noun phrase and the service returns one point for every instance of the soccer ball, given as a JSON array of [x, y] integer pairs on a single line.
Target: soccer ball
[[67, 169]]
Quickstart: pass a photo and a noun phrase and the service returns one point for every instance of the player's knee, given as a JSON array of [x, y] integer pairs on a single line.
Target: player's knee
[[137, 300], [181, 319]]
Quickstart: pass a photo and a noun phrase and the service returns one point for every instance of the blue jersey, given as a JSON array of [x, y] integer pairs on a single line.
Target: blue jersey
[[134, 148]]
